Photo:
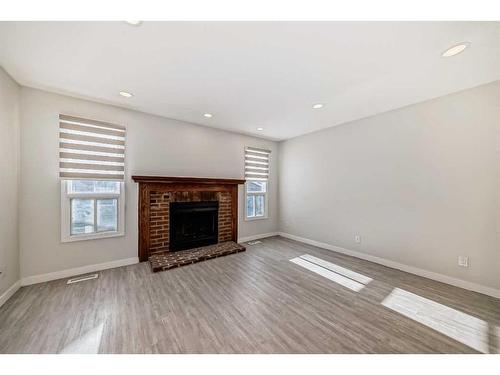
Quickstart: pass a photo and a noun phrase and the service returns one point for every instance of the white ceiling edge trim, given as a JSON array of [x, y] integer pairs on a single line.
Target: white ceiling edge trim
[[10, 76]]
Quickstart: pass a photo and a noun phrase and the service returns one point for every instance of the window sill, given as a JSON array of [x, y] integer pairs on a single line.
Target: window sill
[[255, 218], [92, 236]]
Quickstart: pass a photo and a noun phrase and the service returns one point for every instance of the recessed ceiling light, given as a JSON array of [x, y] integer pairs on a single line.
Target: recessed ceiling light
[[208, 115], [455, 50], [134, 23], [318, 106], [260, 129], [126, 94]]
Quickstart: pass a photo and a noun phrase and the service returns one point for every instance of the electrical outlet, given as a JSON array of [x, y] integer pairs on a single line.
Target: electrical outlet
[[463, 261], [357, 238]]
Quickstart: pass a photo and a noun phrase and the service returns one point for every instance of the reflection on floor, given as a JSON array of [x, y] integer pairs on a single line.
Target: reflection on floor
[[88, 343], [342, 276], [455, 324]]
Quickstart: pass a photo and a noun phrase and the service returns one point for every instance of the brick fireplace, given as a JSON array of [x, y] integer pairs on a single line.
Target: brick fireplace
[[157, 193]]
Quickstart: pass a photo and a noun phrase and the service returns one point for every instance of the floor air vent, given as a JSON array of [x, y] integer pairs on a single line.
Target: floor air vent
[[82, 278], [254, 242]]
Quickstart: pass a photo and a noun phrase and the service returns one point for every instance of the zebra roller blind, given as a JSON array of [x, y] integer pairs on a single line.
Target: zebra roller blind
[[90, 149], [256, 163]]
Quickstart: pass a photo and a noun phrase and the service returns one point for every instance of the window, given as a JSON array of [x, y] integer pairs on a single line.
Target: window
[[257, 185], [93, 206], [91, 209], [256, 199], [92, 165]]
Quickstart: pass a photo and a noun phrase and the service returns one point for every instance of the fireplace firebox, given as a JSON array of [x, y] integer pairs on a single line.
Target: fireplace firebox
[[193, 224]]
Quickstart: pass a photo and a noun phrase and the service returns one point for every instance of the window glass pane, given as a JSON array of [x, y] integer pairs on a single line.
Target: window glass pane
[[89, 186], [82, 216], [259, 205], [256, 186], [107, 187], [107, 215], [81, 186], [250, 206]]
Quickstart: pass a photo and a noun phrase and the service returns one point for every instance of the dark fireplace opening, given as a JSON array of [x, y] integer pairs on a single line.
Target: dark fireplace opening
[[193, 224]]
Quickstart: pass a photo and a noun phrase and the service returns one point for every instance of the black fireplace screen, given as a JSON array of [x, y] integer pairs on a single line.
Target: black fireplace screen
[[193, 224]]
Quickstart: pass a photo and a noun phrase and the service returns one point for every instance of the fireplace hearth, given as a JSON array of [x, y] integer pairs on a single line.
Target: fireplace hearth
[[193, 224]]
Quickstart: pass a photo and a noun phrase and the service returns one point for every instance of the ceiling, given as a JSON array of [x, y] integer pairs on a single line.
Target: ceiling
[[253, 74]]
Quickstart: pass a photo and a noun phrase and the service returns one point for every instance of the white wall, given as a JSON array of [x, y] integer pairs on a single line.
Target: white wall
[[155, 146], [9, 175], [420, 184]]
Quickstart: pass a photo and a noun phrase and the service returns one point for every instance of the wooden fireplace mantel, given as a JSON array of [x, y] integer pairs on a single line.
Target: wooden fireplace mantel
[[155, 184], [188, 180]]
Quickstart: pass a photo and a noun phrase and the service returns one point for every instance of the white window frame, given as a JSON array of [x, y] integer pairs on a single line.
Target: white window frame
[[266, 201], [66, 197]]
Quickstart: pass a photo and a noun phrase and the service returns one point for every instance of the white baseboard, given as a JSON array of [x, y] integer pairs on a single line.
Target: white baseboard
[[10, 292], [403, 267], [77, 271], [257, 237]]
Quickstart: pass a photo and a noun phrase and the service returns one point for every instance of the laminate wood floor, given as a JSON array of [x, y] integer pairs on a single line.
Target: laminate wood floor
[[257, 301]]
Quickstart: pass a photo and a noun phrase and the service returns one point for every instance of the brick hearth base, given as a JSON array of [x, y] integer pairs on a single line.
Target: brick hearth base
[[165, 260]]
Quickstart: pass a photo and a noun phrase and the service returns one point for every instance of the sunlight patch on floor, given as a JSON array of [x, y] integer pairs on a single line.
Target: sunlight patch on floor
[[87, 344], [337, 269], [340, 275], [455, 324]]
